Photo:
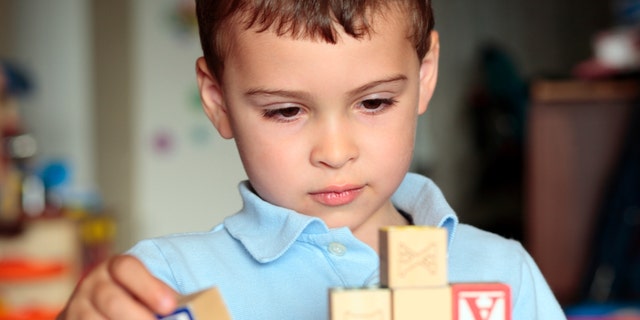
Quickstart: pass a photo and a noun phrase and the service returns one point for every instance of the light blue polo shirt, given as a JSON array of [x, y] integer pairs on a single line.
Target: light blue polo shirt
[[274, 263]]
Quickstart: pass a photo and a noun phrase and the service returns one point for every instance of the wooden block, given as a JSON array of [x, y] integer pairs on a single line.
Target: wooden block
[[359, 304], [413, 256], [434, 303], [202, 305], [481, 301]]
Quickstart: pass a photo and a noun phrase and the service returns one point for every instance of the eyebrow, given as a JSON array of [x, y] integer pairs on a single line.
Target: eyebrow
[[278, 93], [305, 95], [391, 80]]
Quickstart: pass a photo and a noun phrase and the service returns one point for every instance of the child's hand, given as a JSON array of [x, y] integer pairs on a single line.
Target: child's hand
[[120, 288]]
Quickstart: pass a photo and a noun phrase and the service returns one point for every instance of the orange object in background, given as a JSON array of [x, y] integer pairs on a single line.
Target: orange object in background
[[16, 270], [24, 270], [29, 314], [39, 268]]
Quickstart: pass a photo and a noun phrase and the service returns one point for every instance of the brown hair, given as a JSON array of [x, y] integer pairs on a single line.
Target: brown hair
[[313, 19]]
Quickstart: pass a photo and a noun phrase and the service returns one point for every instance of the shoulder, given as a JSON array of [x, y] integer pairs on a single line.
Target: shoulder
[[180, 243], [481, 244], [179, 259], [478, 255]]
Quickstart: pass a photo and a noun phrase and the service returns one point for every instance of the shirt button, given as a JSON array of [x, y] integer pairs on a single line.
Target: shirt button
[[337, 248]]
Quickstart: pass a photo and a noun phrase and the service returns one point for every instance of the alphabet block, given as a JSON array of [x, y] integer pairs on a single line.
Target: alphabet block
[[413, 256], [414, 284], [360, 304], [481, 301], [202, 305], [422, 303]]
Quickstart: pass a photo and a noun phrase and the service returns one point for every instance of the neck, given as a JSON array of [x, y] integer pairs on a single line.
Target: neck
[[368, 232]]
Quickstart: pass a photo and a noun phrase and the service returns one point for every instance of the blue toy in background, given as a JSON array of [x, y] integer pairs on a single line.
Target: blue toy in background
[[17, 83], [627, 12]]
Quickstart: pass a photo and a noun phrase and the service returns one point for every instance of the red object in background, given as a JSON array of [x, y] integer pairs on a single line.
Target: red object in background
[[23, 270], [15, 270], [30, 314]]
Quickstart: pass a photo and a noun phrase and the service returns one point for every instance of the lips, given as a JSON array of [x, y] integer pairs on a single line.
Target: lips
[[337, 196]]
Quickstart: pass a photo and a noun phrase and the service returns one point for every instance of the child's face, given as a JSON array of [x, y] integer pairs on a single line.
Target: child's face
[[326, 130]]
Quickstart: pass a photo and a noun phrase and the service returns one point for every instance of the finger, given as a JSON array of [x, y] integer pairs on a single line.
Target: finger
[[113, 302], [131, 274], [80, 311], [79, 306]]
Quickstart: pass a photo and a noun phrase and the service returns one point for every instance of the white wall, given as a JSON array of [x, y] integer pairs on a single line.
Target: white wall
[[192, 185], [51, 41]]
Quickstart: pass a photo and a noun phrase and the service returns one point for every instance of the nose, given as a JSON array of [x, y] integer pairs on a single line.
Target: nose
[[334, 144]]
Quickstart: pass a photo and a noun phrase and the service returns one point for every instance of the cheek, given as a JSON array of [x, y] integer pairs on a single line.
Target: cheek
[[401, 147], [268, 162], [261, 155], [398, 140]]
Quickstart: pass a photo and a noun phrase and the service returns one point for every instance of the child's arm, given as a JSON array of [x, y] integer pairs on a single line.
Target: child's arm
[[120, 288]]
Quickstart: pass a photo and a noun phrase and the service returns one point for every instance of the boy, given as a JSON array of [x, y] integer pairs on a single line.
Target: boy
[[322, 99]]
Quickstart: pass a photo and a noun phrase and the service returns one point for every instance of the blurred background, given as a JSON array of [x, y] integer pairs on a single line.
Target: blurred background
[[532, 134]]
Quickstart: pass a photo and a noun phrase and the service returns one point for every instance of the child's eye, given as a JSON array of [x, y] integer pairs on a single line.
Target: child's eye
[[373, 106], [283, 114]]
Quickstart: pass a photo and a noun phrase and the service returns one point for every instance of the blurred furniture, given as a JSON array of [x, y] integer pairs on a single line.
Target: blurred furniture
[[575, 133], [41, 265], [39, 268]]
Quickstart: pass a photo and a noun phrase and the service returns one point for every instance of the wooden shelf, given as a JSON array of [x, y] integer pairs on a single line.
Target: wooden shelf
[[575, 133]]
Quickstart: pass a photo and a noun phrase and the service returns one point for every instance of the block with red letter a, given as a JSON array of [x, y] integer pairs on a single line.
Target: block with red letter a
[[481, 301]]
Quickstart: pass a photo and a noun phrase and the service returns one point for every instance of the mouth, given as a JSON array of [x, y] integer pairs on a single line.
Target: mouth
[[337, 196]]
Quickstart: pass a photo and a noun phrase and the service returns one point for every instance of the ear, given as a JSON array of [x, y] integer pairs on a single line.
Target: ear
[[429, 73], [212, 99]]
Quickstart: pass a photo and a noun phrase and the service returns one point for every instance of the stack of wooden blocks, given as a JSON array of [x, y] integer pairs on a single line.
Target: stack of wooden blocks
[[414, 285]]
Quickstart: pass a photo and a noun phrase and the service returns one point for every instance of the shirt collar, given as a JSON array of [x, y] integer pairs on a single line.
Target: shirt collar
[[267, 231], [423, 200]]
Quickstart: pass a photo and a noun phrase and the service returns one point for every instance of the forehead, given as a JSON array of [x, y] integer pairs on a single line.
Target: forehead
[[265, 55]]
